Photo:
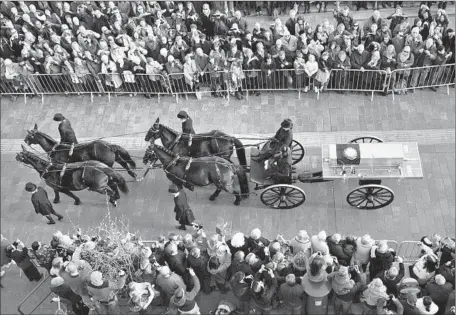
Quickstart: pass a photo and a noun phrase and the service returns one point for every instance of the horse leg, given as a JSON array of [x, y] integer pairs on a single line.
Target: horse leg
[[106, 190], [237, 195], [57, 196], [77, 201], [125, 166], [215, 194]]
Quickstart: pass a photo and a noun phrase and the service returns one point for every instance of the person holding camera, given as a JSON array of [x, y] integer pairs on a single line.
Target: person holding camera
[[103, 293]]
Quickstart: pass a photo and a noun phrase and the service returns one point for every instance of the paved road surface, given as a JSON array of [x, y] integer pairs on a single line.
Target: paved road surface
[[421, 206]]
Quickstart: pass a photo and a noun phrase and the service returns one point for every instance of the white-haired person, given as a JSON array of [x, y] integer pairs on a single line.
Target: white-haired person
[[382, 259], [238, 242], [363, 248], [257, 242], [319, 245], [371, 295], [439, 290], [141, 295]]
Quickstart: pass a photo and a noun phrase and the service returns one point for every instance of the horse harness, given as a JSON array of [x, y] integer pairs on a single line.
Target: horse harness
[[69, 154], [187, 167]]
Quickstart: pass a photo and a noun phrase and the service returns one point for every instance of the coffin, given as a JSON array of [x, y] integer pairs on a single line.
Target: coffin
[[366, 154]]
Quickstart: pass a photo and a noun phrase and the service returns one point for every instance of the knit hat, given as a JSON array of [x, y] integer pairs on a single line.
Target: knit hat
[[322, 236], [96, 278], [58, 117], [57, 282], [375, 291], [30, 187], [341, 283]]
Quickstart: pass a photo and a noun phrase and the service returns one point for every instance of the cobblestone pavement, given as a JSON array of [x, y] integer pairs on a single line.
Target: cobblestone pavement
[[421, 206]]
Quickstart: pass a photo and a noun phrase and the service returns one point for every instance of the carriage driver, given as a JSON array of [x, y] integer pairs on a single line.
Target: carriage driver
[[67, 135], [283, 136], [278, 167], [187, 126]]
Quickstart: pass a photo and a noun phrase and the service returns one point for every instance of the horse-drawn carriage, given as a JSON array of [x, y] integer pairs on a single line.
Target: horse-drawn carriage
[[366, 159]]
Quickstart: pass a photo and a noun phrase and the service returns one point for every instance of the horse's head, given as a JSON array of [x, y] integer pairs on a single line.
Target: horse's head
[[30, 138], [149, 155], [24, 156], [154, 131]]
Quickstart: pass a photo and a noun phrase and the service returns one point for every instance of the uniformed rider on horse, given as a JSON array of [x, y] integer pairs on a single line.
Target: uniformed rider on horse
[[187, 127], [283, 137], [67, 135]]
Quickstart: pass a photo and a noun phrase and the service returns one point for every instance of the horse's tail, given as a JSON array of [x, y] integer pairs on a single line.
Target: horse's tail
[[123, 154], [243, 182], [240, 151], [119, 180]]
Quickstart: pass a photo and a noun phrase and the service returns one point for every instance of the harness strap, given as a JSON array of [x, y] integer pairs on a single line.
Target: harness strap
[[62, 172], [71, 150], [176, 141], [83, 174], [190, 140], [187, 166], [53, 148], [173, 162]]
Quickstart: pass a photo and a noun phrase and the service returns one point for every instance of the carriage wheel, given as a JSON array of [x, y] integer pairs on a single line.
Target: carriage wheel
[[283, 196], [370, 197], [297, 152], [367, 139]]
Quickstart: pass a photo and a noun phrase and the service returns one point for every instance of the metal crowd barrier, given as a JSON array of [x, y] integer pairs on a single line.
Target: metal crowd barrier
[[402, 80], [354, 80], [277, 80], [34, 296], [133, 84], [226, 83], [217, 83], [410, 251]]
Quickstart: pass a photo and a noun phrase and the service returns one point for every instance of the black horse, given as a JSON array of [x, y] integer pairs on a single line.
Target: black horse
[[189, 172], [211, 143], [65, 178], [97, 150]]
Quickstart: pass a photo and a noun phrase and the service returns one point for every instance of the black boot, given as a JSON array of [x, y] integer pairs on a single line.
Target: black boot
[[51, 220], [181, 227]]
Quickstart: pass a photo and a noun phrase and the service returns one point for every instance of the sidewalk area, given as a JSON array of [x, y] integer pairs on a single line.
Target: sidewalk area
[[314, 17]]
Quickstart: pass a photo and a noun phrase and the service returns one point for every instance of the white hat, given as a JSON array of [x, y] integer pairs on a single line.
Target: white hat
[[255, 234], [96, 278]]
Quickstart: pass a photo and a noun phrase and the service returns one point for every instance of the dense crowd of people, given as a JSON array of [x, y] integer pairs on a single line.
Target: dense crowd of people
[[317, 274], [104, 46]]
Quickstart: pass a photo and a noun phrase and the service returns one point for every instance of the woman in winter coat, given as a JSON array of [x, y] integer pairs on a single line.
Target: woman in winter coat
[[345, 289], [322, 77], [341, 63], [374, 292], [424, 269], [238, 243], [262, 294], [381, 259], [336, 248], [363, 248], [374, 79], [316, 285], [217, 267], [388, 64], [404, 60]]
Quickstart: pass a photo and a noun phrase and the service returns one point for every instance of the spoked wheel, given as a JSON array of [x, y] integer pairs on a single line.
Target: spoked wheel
[[367, 139], [370, 197], [297, 152], [283, 196]]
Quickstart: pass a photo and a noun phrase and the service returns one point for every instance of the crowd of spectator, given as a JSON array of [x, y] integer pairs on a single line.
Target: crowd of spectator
[[106, 45], [319, 274]]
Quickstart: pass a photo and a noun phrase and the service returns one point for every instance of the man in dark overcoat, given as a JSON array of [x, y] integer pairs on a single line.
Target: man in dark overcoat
[[181, 207], [67, 135], [283, 137], [41, 202]]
